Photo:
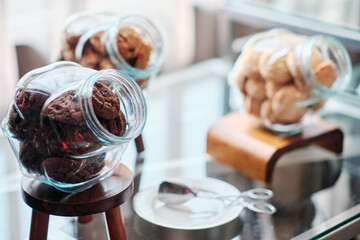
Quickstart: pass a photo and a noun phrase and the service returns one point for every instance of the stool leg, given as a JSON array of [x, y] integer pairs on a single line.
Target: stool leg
[[39, 225], [139, 144], [115, 224]]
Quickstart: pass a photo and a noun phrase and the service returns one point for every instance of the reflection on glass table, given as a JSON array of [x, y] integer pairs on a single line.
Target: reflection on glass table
[[315, 191]]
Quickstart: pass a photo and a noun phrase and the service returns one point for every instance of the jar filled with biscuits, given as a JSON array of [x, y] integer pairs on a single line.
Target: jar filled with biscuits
[[284, 79], [99, 40], [69, 125]]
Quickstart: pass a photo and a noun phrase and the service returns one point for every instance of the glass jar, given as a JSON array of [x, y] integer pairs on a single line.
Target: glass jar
[[284, 78], [132, 44], [69, 125]]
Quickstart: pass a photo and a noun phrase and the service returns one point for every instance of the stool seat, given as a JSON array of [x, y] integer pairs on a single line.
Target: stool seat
[[106, 196]]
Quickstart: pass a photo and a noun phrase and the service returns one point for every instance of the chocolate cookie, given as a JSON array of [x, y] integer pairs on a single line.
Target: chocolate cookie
[[17, 125], [71, 40], [69, 170], [30, 159], [76, 139], [90, 58], [133, 47], [55, 138], [65, 109], [116, 126], [30, 101], [97, 41], [43, 138], [67, 55], [106, 103]]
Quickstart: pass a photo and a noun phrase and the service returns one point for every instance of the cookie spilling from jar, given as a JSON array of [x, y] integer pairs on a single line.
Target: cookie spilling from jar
[[54, 135], [272, 84], [131, 45]]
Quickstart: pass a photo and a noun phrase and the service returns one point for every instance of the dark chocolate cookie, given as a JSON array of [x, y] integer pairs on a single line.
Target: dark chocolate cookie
[[133, 47], [30, 159], [55, 138], [116, 126], [106, 103], [70, 170], [90, 58], [17, 125], [65, 109], [71, 40], [76, 139], [31, 101], [43, 138]]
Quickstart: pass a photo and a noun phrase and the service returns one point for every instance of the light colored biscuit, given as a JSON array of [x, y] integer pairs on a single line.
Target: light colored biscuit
[[271, 88], [241, 84], [251, 63], [266, 111], [326, 73], [237, 74], [283, 104], [293, 66], [255, 88], [316, 58], [252, 105], [273, 68]]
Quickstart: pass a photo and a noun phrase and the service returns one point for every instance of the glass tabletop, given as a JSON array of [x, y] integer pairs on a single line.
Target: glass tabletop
[[315, 191]]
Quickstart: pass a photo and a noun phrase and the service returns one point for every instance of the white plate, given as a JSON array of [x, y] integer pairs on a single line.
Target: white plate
[[197, 213]]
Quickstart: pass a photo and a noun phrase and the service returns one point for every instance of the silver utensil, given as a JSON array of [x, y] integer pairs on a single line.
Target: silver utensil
[[253, 199]]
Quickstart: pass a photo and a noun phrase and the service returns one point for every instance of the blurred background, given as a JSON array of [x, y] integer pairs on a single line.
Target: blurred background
[[195, 33], [193, 30]]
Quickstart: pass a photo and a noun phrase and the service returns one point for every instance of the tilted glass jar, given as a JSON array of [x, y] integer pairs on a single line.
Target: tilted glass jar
[[285, 78], [69, 125], [99, 40]]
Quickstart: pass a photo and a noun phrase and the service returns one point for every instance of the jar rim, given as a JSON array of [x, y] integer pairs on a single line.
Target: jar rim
[[84, 14], [114, 77], [340, 56], [258, 37], [139, 22]]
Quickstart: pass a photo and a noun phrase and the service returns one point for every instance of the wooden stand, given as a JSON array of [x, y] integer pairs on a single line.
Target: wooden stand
[[106, 196], [239, 141]]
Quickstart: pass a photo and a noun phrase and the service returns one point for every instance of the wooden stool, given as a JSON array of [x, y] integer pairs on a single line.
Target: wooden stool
[[106, 196]]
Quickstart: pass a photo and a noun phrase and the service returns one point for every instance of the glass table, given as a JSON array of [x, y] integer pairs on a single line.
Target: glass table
[[317, 193]]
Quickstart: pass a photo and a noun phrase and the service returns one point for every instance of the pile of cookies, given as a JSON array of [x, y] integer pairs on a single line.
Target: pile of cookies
[[131, 45], [52, 131], [271, 81]]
